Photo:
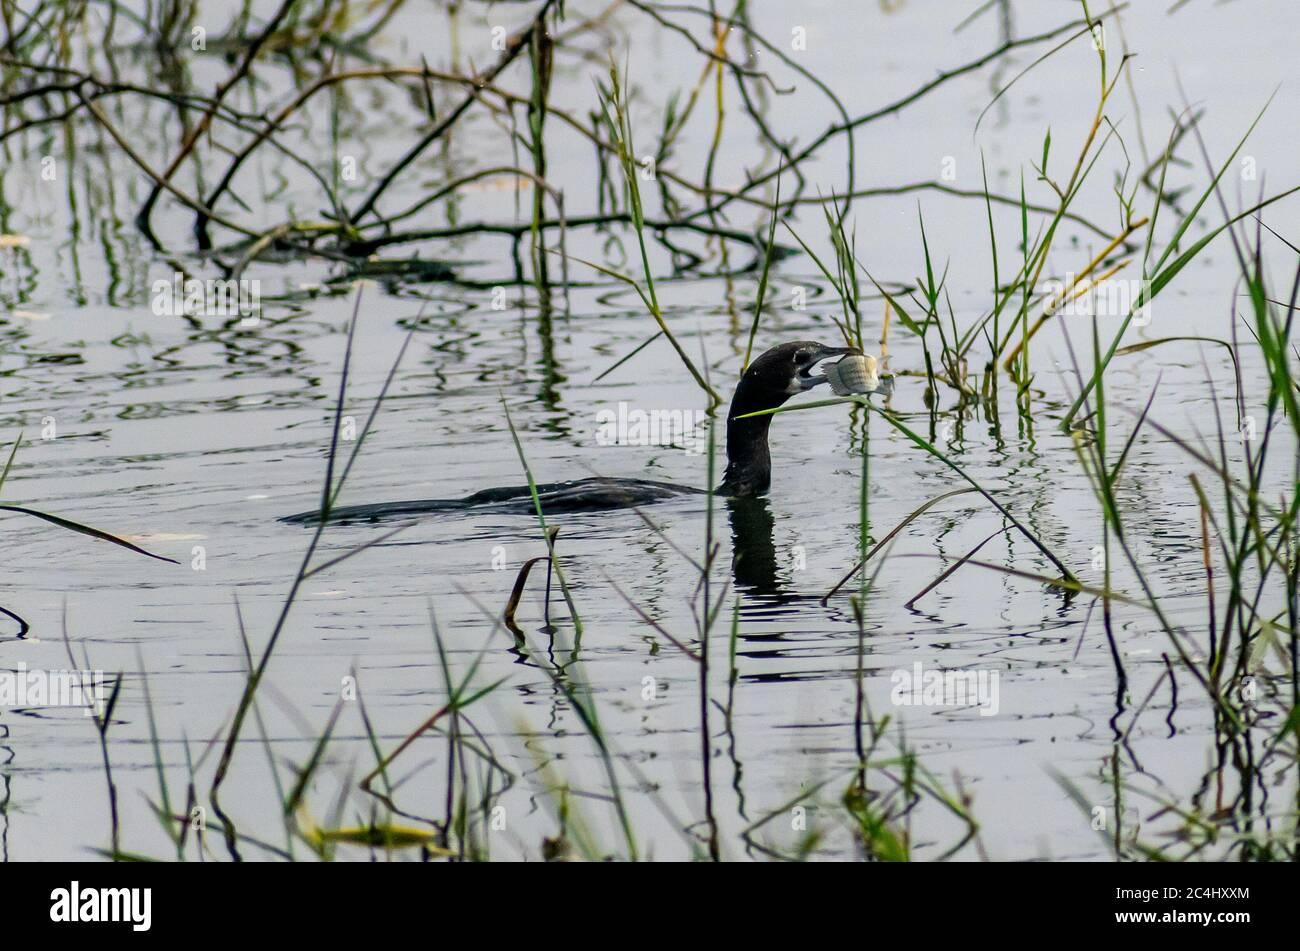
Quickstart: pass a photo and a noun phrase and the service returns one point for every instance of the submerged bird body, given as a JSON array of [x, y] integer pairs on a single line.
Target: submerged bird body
[[777, 375], [579, 495]]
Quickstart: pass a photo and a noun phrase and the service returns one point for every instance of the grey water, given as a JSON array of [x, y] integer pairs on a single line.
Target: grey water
[[193, 435]]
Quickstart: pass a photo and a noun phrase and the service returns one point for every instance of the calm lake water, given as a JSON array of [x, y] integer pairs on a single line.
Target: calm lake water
[[196, 432]]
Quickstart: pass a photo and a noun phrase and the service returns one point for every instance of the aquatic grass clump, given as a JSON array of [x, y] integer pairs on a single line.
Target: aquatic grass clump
[[1247, 668], [614, 112]]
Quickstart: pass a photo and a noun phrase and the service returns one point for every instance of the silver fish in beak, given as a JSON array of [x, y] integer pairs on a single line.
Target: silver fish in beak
[[858, 374]]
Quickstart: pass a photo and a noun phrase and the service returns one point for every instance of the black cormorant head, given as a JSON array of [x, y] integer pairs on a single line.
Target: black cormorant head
[[777, 375]]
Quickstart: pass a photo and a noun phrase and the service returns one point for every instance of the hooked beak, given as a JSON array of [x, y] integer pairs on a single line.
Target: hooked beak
[[807, 380]]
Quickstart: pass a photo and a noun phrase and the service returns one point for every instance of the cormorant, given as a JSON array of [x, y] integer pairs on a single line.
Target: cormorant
[[780, 373]]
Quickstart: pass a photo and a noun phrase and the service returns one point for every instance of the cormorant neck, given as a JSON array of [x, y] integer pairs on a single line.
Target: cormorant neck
[[749, 464]]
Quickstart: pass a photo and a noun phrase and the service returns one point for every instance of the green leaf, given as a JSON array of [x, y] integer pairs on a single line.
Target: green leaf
[[84, 530], [12, 452]]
